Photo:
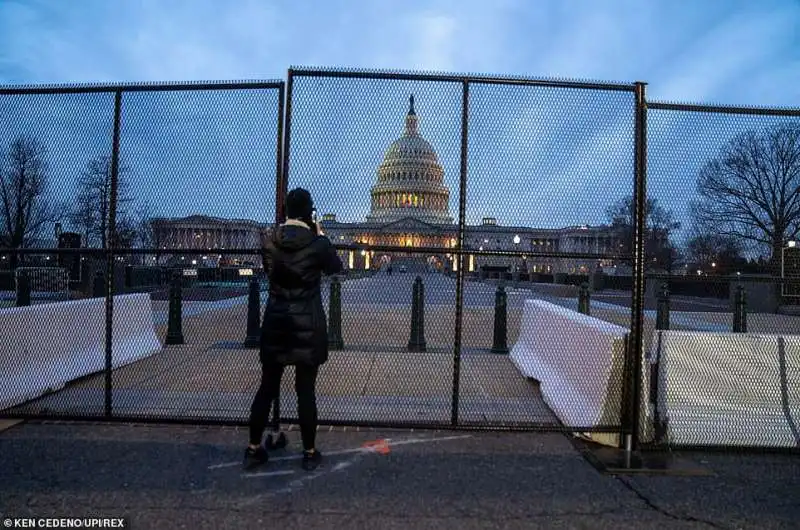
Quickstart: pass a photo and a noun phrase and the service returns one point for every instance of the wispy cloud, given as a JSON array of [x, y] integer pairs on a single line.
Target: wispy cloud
[[545, 145], [720, 61], [684, 50]]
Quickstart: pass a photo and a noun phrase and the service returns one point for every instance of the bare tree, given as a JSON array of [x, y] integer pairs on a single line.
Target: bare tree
[[135, 230], [91, 210], [714, 252], [146, 235], [751, 190], [127, 231], [25, 209], [659, 226]]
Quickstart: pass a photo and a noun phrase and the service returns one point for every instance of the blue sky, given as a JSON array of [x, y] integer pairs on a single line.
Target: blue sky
[[543, 157]]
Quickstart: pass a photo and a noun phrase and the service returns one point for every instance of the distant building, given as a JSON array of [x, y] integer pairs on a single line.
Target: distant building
[[213, 234], [409, 207]]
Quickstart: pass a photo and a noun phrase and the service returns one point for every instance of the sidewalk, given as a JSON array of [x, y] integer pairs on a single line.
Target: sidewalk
[[189, 477]]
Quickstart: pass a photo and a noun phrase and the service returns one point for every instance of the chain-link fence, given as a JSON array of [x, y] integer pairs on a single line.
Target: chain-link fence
[[723, 216], [509, 246], [449, 197], [157, 194]]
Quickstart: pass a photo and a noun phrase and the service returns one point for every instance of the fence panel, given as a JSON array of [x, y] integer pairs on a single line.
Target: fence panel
[[724, 192], [547, 167], [381, 159], [207, 158], [46, 140], [195, 191]]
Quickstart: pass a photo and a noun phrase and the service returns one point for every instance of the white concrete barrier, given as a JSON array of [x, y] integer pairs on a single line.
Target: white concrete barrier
[[45, 346], [737, 389], [578, 361]]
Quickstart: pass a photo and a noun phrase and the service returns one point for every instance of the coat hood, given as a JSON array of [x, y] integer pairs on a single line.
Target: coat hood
[[293, 235]]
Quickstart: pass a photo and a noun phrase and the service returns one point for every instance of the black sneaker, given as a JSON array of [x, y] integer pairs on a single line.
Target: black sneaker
[[311, 460], [273, 444], [255, 457]]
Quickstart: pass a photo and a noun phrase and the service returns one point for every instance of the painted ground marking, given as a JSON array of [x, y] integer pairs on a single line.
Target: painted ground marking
[[361, 449], [376, 446]]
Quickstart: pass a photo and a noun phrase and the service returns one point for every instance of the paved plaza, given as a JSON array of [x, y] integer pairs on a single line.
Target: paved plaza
[[374, 378]]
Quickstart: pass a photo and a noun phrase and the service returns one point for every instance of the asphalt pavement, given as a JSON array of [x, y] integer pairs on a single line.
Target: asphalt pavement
[[190, 477]]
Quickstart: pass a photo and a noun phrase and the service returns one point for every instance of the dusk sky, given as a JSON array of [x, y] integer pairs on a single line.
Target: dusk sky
[[537, 157]]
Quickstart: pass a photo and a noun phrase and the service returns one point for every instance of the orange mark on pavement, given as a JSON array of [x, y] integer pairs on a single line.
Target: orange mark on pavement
[[379, 446]]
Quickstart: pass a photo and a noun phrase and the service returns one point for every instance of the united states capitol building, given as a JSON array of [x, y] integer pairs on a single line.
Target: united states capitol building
[[409, 207]]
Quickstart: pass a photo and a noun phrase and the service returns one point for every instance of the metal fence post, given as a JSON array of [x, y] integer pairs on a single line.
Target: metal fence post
[[111, 241], [633, 360], [282, 184], [282, 145], [460, 243], [662, 323]]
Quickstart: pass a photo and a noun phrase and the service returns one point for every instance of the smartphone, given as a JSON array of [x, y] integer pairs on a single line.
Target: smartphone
[[314, 216]]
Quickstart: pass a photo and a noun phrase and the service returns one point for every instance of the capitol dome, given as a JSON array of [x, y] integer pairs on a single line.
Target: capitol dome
[[410, 180]]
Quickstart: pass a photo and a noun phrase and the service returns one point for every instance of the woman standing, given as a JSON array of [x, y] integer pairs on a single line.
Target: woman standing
[[294, 330]]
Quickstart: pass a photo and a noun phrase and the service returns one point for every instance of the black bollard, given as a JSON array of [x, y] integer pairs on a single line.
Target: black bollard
[[421, 313], [740, 311], [99, 285], [662, 308], [417, 341], [23, 290], [583, 299], [335, 341], [500, 336], [175, 324], [412, 341], [253, 338]]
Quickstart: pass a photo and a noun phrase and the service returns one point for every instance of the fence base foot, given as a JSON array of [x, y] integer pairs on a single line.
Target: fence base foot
[[616, 461]]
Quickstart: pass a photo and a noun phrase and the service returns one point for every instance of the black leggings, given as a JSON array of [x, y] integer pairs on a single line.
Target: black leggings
[[268, 393]]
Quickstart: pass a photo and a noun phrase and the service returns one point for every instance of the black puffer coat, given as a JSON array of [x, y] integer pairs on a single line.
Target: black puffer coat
[[295, 329]]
